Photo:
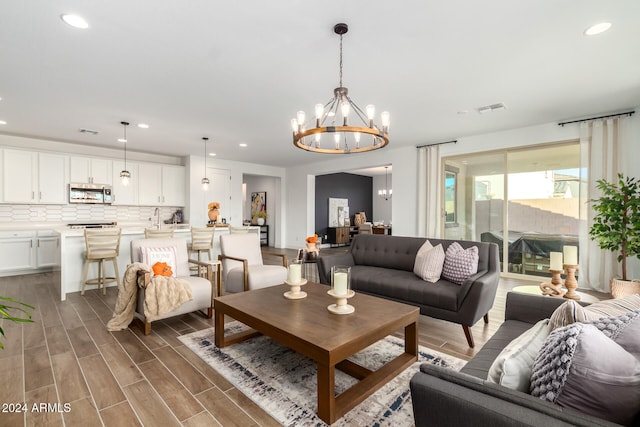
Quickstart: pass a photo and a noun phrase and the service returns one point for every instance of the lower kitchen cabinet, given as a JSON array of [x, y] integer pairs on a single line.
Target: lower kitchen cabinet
[[24, 252]]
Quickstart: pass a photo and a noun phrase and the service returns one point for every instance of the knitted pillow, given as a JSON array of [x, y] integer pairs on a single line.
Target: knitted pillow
[[429, 261], [623, 330], [571, 312], [459, 263], [578, 367]]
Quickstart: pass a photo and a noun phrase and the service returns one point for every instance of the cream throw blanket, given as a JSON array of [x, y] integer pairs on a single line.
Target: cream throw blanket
[[162, 295]]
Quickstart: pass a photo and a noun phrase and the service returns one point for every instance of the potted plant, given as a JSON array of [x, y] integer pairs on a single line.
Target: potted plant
[[260, 217], [6, 312], [616, 226]]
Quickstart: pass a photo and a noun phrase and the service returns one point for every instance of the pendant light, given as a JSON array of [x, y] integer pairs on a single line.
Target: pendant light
[[387, 192], [125, 175], [205, 180]]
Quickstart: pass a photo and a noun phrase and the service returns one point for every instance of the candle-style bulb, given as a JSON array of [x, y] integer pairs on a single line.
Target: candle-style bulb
[[336, 138], [319, 111], [356, 136], [301, 117], [294, 125], [384, 117]]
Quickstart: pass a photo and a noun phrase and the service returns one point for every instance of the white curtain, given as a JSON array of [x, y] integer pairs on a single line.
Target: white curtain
[[599, 140], [429, 190]]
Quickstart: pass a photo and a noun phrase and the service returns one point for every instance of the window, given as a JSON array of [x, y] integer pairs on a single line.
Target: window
[[450, 196]]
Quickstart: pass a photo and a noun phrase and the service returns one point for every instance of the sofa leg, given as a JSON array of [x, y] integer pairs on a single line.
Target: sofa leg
[[467, 333], [486, 318], [147, 328], [209, 312]]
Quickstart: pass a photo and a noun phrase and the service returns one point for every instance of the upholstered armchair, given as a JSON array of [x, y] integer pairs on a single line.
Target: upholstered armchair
[[202, 286], [243, 268]]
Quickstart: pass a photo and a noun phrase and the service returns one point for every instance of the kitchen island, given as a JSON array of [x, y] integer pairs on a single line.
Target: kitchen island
[[72, 249]]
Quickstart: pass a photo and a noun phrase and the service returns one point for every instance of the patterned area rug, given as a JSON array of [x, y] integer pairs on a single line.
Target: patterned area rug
[[283, 382]]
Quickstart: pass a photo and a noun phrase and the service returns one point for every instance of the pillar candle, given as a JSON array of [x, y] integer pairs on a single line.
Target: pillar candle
[[340, 283], [294, 275], [556, 261], [570, 255]]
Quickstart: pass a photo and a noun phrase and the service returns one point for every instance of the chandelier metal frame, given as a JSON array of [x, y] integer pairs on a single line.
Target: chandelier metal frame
[[327, 114]]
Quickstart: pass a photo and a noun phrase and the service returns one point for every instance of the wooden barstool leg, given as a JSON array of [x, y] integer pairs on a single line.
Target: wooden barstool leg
[[115, 269], [101, 276]]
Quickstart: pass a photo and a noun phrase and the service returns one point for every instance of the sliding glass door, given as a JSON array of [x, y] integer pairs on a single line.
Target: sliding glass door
[[527, 201]]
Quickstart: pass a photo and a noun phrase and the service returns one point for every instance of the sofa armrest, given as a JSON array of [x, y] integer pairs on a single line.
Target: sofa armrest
[[325, 262], [531, 308], [444, 397]]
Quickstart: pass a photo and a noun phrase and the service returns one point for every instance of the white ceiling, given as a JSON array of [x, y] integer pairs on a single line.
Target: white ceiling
[[237, 71]]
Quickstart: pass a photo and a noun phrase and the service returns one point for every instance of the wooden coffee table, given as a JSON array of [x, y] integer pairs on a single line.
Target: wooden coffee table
[[306, 326]]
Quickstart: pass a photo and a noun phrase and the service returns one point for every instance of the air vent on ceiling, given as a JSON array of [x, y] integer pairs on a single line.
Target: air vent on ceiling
[[492, 107], [89, 131]]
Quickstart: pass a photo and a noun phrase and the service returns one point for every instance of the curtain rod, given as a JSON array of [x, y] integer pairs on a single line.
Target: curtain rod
[[437, 143], [628, 113]]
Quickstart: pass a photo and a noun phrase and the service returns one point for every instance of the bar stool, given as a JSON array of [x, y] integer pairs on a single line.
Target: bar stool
[[202, 241], [102, 245], [153, 233]]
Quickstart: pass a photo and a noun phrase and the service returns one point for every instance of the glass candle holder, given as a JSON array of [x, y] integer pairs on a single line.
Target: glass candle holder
[[341, 290], [341, 280]]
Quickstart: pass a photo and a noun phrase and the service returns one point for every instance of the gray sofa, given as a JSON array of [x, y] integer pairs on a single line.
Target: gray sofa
[[383, 266], [443, 397]]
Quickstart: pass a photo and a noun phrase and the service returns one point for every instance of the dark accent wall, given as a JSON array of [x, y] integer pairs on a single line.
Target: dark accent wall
[[357, 189]]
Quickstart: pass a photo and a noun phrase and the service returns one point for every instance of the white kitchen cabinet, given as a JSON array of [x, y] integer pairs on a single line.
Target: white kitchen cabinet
[[31, 177], [53, 178], [47, 249], [17, 252], [19, 176], [161, 185], [91, 170], [121, 194]]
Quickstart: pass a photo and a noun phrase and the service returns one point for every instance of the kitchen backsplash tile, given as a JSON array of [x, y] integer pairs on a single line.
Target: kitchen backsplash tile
[[80, 213]]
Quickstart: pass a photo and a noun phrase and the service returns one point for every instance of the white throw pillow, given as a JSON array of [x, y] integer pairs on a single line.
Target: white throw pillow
[[513, 366], [429, 261], [150, 256]]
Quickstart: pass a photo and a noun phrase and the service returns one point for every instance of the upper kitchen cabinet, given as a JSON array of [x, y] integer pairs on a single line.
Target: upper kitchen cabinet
[[125, 194], [91, 170], [161, 184], [31, 177]]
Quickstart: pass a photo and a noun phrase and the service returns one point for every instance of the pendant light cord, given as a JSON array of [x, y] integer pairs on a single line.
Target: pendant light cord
[[340, 60]]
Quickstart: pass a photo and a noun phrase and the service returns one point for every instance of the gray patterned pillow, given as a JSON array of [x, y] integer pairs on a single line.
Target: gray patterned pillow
[[460, 263], [579, 367], [624, 330]]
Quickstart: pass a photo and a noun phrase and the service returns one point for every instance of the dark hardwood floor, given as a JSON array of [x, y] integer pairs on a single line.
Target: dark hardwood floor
[[92, 377]]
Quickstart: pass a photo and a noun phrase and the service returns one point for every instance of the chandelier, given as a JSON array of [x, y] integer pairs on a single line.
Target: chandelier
[[387, 192], [333, 118]]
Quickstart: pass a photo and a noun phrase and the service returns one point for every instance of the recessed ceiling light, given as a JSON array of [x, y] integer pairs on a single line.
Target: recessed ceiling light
[[212, 154], [242, 144], [597, 28], [462, 112], [75, 21], [122, 140], [2, 122], [143, 126]]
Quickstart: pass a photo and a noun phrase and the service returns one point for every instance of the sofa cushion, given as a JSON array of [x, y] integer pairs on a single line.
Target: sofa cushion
[[571, 312], [429, 262], [396, 252], [404, 286], [512, 368], [580, 368], [460, 263]]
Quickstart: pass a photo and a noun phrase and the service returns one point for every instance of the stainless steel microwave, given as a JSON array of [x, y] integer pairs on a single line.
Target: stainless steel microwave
[[90, 193]]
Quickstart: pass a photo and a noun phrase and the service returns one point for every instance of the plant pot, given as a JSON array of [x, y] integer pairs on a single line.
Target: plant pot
[[213, 215], [260, 221], [622, 288]]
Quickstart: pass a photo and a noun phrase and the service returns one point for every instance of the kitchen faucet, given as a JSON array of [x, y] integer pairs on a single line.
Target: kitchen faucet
[[156, 214]]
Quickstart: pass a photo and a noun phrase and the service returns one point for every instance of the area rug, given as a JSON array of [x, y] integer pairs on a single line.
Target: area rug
[[283, 382]]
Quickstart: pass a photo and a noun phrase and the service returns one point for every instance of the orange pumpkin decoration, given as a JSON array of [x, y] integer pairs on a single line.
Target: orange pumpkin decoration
[[162, 269]]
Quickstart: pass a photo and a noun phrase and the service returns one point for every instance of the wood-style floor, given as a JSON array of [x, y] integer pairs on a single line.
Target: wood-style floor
[[91, 377]]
